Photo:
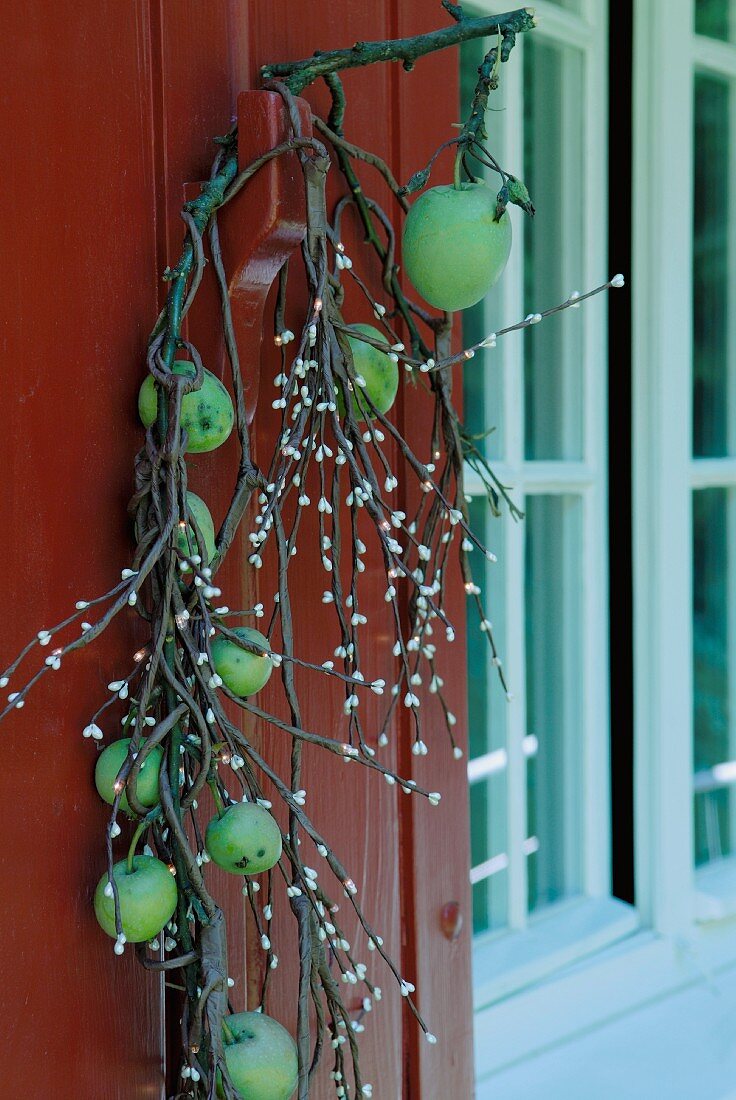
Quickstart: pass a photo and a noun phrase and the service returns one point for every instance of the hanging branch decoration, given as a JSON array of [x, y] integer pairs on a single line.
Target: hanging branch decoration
[[333, 395]]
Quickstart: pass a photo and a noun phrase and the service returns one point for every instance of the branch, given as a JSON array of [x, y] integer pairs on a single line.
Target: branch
[[296, 75]]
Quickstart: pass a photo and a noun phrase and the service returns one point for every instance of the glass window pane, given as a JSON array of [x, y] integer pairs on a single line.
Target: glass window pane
[[553, 254], [714, 537], [715, 18], [487, 708], [489, 862], [553, 647], [482, 379], [713, 353]]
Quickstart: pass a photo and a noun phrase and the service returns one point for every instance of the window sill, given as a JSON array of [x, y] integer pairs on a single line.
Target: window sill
[[715, 891], [577, 999], [504, 963]]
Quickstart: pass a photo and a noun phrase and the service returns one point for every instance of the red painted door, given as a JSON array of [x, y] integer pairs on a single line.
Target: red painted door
[[108, 110]]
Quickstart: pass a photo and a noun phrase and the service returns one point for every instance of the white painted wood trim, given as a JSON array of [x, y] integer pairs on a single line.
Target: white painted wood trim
[[559, 24], [572, 929], [540, 476], [715, 891], [712, 473], [513, 547], [596, 791], [662, 342], [633, 972], [676, 1047], [712, 55], [589, 821]]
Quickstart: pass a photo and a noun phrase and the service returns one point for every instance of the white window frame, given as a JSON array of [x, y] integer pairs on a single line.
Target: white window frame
[[687, 935], [535, 945], [674, 893]]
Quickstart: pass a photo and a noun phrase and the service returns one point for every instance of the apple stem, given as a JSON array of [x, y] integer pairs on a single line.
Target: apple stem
[[143, 825], [228, 1035], [217, 797], [456, 169]]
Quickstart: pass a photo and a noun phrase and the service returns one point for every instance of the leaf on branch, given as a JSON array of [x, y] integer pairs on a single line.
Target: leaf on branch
[[519, 195]]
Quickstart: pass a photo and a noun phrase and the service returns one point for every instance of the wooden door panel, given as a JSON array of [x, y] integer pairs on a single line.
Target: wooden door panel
[[356, 811], [78, 291], [427, 104], [195, 95]]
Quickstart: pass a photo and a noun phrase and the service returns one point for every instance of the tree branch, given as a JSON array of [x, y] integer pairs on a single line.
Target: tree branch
[[296, 75]]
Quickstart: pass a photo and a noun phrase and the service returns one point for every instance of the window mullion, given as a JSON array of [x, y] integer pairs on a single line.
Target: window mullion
[[714, 56], [516, 725], [512, 299], [662, 393], [731, 443], [571, 251], [712, 473], [513, 404], [594, 663]]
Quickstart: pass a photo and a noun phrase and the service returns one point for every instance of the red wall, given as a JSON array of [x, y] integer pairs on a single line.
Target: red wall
[[107, 110]]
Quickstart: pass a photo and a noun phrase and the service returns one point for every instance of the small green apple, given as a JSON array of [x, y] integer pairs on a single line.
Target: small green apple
[[200, 513], [147, 899], [454, 249], [381, 374], [109, 763], [243, 672], [261, 1057], [245, 840], [207, 413]]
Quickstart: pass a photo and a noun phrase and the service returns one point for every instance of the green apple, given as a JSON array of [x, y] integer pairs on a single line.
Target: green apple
[[381, 374], [109, 763], [454, 249], [261, 1057], [200, 513], [243, 672], [207, 413], [147, 899], [245, 840]]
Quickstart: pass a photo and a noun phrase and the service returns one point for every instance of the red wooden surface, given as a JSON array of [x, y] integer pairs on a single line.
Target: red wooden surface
[[436, 874], [358, 812], [78, 288], [107, 112]]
